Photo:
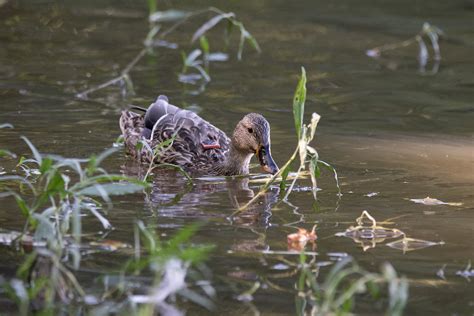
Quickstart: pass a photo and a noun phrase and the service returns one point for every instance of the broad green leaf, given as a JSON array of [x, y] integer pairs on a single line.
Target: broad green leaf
[[46, 165], [298, 103], [111, 189]]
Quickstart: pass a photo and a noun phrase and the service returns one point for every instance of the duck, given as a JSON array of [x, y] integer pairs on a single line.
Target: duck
[[166, 134]]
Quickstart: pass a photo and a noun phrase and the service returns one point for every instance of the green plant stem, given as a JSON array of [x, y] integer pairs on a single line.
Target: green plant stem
[[269, 182]]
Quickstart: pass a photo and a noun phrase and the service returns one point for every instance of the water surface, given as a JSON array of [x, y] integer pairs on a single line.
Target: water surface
[[386, 127]]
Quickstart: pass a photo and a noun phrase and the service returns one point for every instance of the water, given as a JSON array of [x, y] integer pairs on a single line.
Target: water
[[386, 127]]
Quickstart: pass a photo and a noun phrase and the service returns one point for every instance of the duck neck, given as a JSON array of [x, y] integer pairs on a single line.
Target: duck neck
[[237, 161]]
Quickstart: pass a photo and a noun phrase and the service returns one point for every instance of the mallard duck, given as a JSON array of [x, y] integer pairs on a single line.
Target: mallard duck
[[185, 139]]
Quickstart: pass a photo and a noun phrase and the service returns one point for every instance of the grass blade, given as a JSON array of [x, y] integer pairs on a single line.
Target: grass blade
[[298, 102], [210, 24]]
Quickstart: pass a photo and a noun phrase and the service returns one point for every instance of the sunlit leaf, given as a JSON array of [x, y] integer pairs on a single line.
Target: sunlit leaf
[[191, 58], [33, 149], [167, 16], [423, 53], [210, 24], [299, 100]]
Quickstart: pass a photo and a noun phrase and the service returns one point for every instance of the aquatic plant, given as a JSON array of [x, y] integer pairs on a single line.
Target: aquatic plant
[[336, 295], [428, 31], [155, 38], [308, 155]]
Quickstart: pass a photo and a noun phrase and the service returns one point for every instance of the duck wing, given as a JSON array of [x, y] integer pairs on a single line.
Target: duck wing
[[197, 144]]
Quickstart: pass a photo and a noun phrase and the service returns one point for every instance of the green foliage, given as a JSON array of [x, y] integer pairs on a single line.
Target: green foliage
[[308, 155], [298, 103], [336, 295]]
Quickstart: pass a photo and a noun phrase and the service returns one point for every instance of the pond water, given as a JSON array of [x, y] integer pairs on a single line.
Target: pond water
[[393, 133]]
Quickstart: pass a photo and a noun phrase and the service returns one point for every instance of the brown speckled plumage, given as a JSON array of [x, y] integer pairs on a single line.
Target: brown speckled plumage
[[198, 146]]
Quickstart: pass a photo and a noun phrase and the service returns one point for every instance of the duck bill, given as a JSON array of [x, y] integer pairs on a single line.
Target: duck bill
[[266, 161]]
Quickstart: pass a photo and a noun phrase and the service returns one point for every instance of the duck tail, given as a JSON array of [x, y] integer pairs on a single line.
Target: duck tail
[[131, 125]]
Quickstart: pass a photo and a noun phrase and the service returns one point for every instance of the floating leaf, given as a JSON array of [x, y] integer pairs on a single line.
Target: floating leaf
[[298, 240], [431, 201], [409, 244], [109, 245]]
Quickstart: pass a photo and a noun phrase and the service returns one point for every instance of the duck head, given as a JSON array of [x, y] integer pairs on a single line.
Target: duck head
[[252, 136]]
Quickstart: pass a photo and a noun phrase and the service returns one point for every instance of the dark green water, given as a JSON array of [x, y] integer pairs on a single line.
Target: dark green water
[[386, 127]]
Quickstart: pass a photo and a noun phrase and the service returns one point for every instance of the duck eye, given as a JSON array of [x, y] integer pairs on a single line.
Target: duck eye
[[250, 130]]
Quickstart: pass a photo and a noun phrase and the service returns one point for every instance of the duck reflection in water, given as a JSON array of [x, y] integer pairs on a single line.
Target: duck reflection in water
[[172, 195]]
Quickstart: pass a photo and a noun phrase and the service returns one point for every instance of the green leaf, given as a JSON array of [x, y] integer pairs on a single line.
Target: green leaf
[[210, 24], [23, 206], [4, 152], [183, 235], [24, 270], [284, 175], [111, 189], [46, 165], [204, 45], [55, 184], [298, 103], [152, 6], [333, 170]]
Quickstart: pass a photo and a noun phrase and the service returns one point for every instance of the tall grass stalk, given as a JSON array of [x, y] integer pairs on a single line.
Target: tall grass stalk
[[308, 155]]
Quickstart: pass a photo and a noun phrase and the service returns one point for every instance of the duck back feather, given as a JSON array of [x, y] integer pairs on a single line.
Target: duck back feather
[[197, 144]]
